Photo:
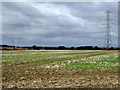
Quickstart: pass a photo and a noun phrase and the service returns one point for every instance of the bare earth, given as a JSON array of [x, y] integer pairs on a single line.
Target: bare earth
[[21, 75]]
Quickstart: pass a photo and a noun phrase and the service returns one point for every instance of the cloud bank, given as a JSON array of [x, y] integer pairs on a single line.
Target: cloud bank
[[54, 24]]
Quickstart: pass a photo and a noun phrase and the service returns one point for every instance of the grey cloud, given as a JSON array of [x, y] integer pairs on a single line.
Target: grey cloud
[[56, 23]]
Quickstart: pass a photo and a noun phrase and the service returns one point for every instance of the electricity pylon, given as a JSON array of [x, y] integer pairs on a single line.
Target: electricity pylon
[[108, 40]]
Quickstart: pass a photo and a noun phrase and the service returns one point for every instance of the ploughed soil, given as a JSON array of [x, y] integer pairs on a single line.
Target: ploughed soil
[[32, 75], [60, 78]]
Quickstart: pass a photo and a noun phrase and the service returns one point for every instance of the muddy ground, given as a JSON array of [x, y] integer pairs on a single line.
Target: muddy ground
[[64, 79], [32, 75]]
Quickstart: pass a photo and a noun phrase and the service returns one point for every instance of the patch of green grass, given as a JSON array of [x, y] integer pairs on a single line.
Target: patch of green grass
[[78, 65], [50, 57], [6, 62], [94, 63]]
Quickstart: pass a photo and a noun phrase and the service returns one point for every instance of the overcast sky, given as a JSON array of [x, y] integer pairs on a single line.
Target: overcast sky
[[54, 24]]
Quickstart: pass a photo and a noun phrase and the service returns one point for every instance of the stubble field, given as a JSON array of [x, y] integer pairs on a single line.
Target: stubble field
[[60, 69]]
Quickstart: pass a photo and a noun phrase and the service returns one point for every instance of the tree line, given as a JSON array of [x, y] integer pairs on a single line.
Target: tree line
[[75, 48], [34, 47]]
